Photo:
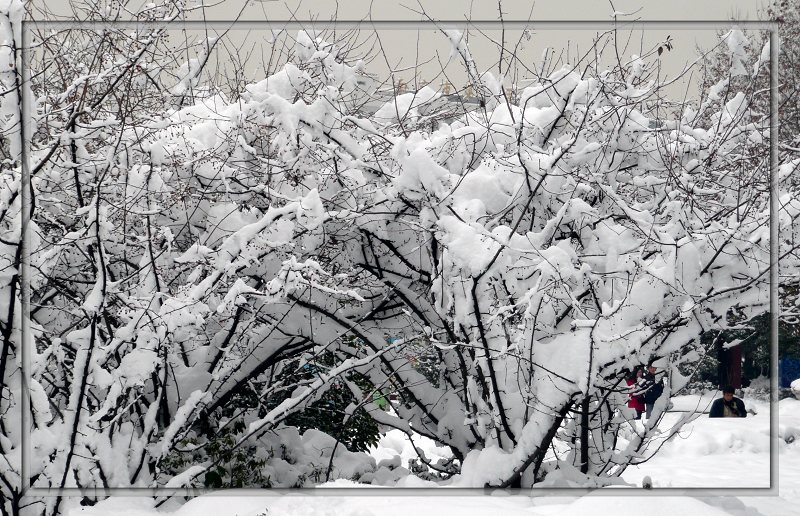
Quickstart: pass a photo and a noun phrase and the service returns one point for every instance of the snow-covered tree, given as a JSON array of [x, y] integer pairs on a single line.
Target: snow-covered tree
[[726, 70], [204, 267], [719, 64]]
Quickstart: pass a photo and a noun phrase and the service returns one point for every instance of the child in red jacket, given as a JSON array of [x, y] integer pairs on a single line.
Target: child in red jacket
[[635, 401]]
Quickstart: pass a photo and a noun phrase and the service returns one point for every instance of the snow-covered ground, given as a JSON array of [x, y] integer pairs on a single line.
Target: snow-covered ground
[[707, 453], [723, 452]]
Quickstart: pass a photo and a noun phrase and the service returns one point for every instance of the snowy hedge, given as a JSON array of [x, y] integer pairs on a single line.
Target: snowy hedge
[[189, 251]]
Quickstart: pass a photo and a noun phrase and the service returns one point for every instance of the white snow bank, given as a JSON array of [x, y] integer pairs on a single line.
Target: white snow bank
[[795, 386], [633, 506], [689, 461], [464, 504], [305, 505], [711, 452]]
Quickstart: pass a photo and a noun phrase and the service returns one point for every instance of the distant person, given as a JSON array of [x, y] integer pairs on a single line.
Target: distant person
[[728, 405], [635, 401], [650, 388]]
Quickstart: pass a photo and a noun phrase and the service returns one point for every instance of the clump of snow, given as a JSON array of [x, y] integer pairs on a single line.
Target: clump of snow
[[420, 175], [737, 44], [795, 386], [394, 452], [405, 105]]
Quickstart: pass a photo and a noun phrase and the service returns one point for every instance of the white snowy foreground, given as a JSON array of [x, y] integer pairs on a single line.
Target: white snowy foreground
[[708, 453]]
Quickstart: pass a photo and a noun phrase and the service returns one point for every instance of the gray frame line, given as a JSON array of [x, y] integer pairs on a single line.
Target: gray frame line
[[774, 206], [411, 24], [25, 203], [774, 251]]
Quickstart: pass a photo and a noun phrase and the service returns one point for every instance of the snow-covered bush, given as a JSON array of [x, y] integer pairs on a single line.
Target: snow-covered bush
[[190, 255], [759, 389]]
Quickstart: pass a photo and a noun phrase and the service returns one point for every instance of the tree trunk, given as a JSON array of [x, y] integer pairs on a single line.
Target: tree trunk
[[729, 371], [585, 435]]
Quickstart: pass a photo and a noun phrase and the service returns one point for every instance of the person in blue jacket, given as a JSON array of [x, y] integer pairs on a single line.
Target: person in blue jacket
[[650, 388], [728, 405]]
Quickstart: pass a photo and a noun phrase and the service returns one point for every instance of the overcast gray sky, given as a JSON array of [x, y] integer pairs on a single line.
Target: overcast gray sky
[[414, 44], [458, 9]]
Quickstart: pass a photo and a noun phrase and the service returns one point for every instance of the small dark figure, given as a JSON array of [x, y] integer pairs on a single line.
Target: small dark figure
[[635, 401], [650, 388], [728, 405]]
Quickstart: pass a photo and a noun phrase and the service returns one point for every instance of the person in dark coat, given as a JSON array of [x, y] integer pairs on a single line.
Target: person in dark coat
[[635, 401], [650, 388], [728, 405]]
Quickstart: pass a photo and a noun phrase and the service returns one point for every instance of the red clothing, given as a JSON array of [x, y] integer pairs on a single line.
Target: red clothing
[[634, 402]]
